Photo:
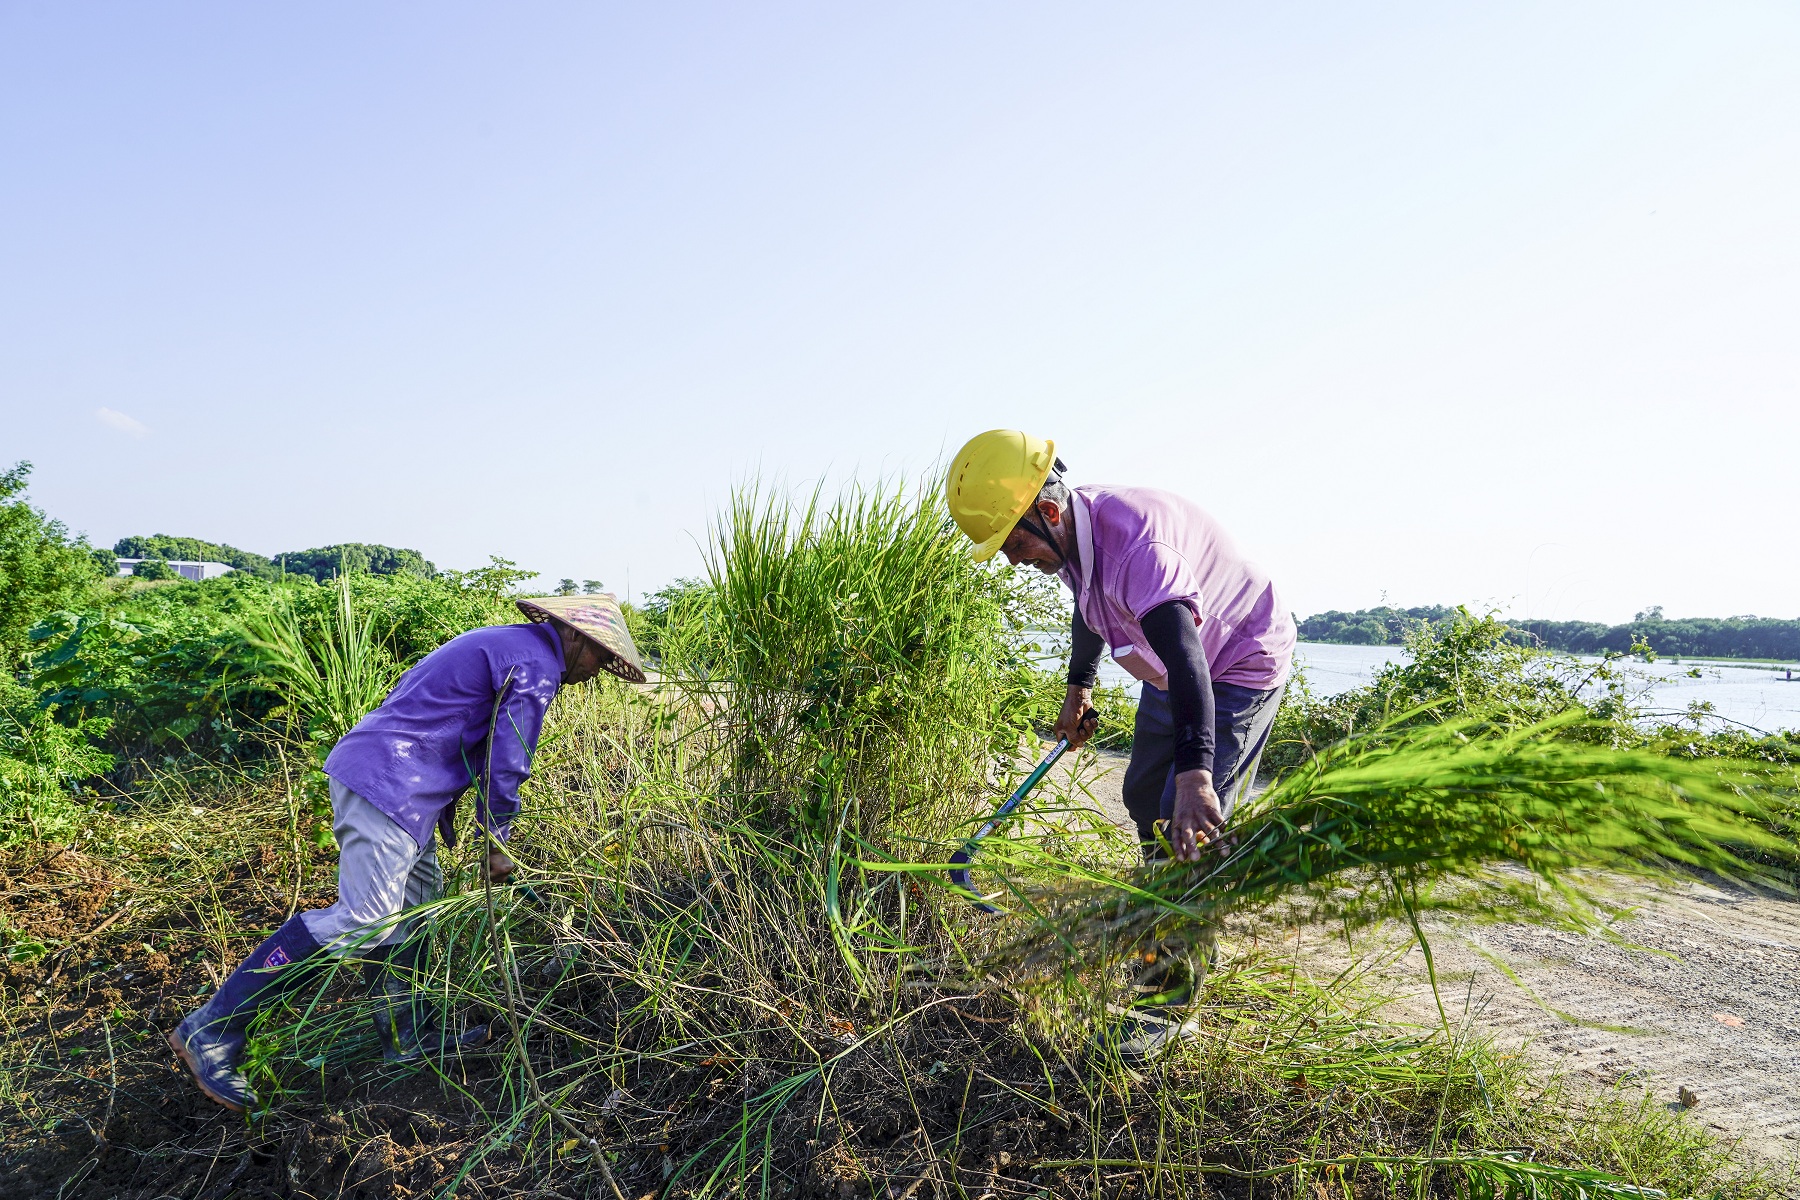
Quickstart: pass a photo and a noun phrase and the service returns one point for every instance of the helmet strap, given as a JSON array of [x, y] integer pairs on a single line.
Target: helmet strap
[[1039, 530]]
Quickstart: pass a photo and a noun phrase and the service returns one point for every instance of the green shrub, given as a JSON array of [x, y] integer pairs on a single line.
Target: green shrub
[[41, 763], [167, 666], [158, 664], [1463, 666], [41, 567], [154, 570]]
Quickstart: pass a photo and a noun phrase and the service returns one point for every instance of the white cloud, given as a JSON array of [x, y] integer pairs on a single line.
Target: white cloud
[[113, 419]]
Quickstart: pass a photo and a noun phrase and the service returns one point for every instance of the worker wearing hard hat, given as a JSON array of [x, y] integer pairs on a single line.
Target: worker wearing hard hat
[[1158, 581]]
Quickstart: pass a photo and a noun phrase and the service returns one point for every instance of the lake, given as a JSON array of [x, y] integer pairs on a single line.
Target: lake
[[1763, 696]]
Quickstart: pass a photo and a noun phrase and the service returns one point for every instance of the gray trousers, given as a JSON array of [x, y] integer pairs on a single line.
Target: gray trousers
[[1242, 718], [382, 872]]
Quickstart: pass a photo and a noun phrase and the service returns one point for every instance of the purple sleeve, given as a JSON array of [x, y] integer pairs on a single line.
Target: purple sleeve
[[521, 720], [1151, 575]]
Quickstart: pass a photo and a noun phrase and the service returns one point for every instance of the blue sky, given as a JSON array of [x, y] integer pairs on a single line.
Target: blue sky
[[1442, 302]]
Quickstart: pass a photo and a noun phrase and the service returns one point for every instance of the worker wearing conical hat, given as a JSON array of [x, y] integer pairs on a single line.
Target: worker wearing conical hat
[[468, 715]]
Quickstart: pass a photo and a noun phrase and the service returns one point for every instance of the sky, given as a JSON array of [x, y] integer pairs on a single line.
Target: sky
[[1485, 304]]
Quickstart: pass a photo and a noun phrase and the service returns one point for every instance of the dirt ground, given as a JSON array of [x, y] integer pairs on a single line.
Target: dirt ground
[[1711, 1003]]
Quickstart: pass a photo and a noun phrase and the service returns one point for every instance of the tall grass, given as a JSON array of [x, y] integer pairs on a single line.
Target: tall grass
[[330, 676], [859, 670]]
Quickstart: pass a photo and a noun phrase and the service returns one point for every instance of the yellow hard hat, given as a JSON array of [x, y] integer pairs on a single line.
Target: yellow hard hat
[[992, 483]]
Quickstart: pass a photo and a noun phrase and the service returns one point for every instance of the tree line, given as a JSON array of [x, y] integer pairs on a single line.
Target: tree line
[[321, 562], [1690, 637]]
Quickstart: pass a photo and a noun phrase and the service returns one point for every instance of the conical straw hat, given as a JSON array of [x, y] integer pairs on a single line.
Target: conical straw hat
[[596, 618]]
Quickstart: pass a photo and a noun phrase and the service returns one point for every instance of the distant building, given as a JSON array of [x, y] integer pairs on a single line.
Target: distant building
[[185, 567]]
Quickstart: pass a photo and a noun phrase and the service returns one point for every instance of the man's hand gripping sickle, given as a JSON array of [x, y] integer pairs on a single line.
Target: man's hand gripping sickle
[[1077, 721]]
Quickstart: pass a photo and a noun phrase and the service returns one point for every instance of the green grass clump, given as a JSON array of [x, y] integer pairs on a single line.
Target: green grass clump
[[330, 675], [42, 764], [860, 671], [1461, 818]]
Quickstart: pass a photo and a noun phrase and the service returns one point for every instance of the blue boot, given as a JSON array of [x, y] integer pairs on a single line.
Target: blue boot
[[211, 1040]]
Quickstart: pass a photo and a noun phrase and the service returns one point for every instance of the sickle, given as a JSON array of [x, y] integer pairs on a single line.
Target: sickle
[[959, 871]]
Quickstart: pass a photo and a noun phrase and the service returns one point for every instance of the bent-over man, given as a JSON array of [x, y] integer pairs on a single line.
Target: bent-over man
[[395, 782], [1159, 582]]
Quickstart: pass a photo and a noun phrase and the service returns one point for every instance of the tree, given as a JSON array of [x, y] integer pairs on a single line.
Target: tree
[[592, 587], [162, 545], [565, 587], [497, 579], [350, 558], [42, 568], [153, 569]]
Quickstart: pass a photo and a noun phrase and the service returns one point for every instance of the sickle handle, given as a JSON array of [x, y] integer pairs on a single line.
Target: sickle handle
[[959, 871]]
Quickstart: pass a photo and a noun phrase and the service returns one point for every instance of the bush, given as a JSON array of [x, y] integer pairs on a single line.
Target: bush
[[41, 567], [41, 762], [158, 664], [154, 570], [1462, 666], [168, 669]]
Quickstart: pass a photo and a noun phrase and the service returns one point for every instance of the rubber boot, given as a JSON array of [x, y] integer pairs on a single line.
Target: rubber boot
[[210, 1041], [405, 1021]]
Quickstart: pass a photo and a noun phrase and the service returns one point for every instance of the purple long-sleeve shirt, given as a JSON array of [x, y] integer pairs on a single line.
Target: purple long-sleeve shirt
[[427, 743]]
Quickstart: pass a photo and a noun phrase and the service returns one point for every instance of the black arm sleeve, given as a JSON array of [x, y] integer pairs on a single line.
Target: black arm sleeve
[[1172, 633], [1085, 648]]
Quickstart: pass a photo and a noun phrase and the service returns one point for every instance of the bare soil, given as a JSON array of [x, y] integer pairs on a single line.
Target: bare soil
[[1709, 1001]]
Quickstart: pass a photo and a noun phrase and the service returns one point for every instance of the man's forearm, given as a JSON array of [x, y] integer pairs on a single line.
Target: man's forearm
[[1171, 632], [1085, 649]]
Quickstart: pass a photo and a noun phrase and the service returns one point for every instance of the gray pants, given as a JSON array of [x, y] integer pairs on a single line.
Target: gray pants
[[1242, 718], [382, 872]]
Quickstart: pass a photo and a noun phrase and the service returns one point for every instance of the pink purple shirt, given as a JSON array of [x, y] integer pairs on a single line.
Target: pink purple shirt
[[413, 757], [1139, 548]]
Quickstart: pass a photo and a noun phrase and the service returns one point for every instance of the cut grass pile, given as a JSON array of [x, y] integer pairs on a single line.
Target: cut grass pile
[[1455, 818], [718, 985]]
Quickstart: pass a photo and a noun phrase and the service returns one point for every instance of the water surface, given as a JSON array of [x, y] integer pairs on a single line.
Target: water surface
[[1764, 696]]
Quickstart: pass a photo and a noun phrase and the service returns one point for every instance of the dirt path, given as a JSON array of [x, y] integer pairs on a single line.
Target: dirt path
[[1717, 1011]]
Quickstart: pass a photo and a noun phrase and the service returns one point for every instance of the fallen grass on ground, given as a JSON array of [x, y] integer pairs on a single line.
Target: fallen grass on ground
[[703, 986]]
